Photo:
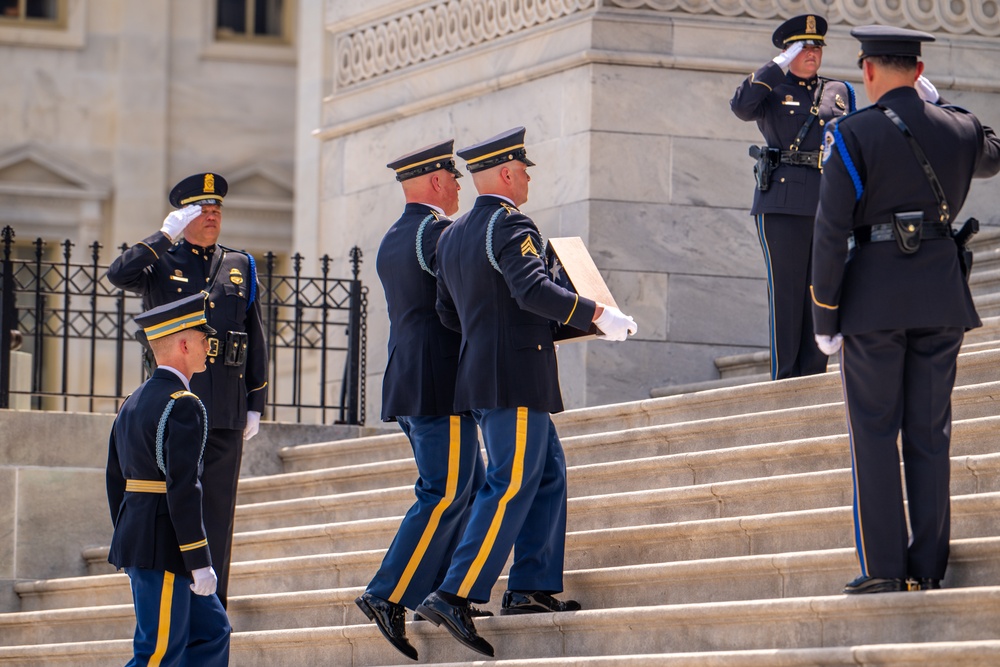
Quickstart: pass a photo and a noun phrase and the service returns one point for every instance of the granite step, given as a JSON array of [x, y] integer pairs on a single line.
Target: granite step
[[973, 562]]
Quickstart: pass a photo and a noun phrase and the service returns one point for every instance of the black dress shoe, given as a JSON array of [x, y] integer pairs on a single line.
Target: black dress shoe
[[474, 612], [926, 584], [390, 619], [456, 620], [534, 602], [865, 584]]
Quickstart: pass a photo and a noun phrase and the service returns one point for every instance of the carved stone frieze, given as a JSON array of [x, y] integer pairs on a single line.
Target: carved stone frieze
[[977, 17], [445, 26], [436, 30]]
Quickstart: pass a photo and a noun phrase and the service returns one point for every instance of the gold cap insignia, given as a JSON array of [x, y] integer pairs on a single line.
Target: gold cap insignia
[[810, 25], [209, 183], [235, 277]]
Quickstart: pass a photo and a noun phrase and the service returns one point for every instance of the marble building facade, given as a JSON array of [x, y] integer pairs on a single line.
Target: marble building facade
[[625, 102]]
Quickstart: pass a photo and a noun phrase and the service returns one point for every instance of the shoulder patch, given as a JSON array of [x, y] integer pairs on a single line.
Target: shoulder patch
[[183, 392], [828, 142], [528, 247]]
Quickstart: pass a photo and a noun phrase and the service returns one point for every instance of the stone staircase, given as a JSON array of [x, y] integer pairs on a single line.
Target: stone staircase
[[709, 528]]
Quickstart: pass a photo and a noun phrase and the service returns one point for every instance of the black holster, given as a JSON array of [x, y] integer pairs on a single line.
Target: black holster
[[907, 226], [969, 229], [236, 348], [767, 160]]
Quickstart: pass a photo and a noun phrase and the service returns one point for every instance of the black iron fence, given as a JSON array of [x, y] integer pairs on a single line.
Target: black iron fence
[[66, 335]]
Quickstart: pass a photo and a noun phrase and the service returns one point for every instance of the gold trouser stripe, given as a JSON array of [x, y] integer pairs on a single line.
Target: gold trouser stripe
[[451, 488], [516, 476], [576, 301], [194, 545], [163, 633], [145, 486]]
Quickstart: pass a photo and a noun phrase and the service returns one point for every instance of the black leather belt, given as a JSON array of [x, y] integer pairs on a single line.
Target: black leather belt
[[802, 158], [884, 232]]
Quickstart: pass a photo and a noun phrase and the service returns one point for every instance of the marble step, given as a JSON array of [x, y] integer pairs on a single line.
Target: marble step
[[969, 401], [970, 437], [782, 493], [827, 528], [776, 625], [973, 562]]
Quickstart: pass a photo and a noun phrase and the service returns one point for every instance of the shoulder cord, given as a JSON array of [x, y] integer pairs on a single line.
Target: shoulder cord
[[813, 114], [420, 243], [925, 164], [162, 426], [489, 241]]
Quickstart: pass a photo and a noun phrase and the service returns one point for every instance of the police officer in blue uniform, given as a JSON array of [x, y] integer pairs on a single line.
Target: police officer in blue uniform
[[888, 284], [791, 110], [494, 287], [418, 392], [155, 497], [182, 259]]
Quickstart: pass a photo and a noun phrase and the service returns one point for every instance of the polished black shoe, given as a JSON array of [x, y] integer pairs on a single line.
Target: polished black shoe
[[474, 612], [390, 619], [925, 584], [865, 584], [534, 602], [456, 620]]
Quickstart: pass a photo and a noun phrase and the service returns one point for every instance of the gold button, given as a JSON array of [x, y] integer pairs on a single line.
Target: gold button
[[539, 347], [822, 123], [782, 179], [211, 304], [206, 280], [178, 289], [241, 376], [211, 360]]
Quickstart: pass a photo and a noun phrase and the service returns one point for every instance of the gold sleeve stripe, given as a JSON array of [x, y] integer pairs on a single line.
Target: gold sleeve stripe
[[148, 248], [574, 308], [194, 545], [759, 83], [819, 303], [257, 389]]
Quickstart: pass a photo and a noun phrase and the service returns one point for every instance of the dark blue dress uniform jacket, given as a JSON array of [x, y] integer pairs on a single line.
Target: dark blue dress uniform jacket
[[780, 104], [163, 272], [423, 354], [870, 172], [507, 357], [158, 531]]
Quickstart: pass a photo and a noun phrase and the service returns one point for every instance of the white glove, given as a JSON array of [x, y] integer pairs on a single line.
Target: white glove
[[785, 58], [253, 424], [176, 221], [829, 345], [615, 325], [205, 581], [926, 90]]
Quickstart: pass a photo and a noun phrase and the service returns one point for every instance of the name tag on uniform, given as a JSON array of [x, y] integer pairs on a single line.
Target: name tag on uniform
[[180, 279]]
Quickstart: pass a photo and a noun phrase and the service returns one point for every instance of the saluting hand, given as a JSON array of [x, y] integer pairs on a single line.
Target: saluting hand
[[785, 58], [175, 222]]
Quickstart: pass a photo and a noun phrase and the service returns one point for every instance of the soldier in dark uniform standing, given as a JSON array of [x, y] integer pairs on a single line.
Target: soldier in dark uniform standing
[[418, 392], [494, 287], [154, 494], [888, 284], [791, 110], [165, 267]]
